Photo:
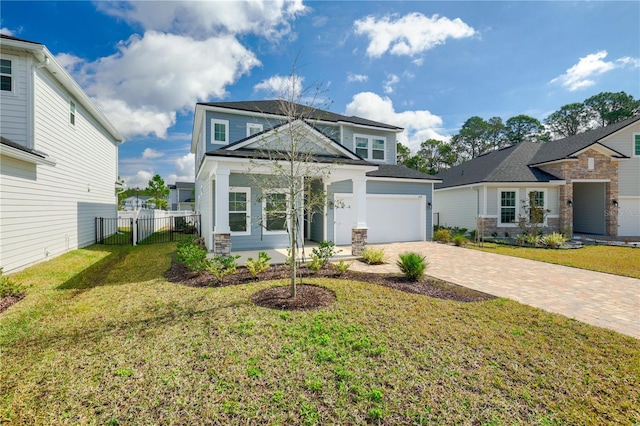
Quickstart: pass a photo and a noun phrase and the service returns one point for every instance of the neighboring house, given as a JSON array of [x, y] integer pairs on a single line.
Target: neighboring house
[[379, 200], [590, 182], [137, 202], [58, 158], [182, 196]]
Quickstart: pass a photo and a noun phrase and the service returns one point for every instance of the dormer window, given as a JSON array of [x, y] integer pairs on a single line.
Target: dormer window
[[253, 128], [6, 75], [370, 147]]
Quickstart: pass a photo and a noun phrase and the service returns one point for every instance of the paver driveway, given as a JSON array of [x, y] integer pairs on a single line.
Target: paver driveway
[[596, 298]]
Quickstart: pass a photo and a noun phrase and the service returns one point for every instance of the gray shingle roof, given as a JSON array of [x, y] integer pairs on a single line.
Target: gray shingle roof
[[15, 145], [508, 164], [275, 107], [273, 155], [565, 148], [399, 171]]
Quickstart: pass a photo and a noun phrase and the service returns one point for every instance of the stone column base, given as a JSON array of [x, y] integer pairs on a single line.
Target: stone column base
[[358, 241], [222, 245]]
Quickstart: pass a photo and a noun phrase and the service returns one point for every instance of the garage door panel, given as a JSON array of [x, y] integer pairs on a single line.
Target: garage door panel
[[389, 219]]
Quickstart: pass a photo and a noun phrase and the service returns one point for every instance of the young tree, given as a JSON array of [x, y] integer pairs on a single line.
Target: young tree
[[159, 191]]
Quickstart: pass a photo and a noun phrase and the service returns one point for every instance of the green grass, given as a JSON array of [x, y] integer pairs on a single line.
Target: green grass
[[102, 338], [610, 259]]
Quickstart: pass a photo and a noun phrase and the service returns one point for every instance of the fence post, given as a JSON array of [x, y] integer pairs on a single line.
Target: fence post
[[134, 232]]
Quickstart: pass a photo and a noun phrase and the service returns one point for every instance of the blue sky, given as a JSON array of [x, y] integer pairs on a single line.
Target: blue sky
[[425, 66]]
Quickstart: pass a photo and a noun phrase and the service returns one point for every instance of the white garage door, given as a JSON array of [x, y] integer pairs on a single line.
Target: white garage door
[[629, 217], [390, 218]]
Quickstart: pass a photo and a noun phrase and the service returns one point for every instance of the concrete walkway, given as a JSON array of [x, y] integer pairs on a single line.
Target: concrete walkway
[[604, 300]]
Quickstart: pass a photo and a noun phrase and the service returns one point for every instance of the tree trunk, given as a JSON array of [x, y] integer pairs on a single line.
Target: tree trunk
[[294, 252]]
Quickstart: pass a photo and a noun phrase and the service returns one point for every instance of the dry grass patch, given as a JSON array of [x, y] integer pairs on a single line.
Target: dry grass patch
[[610, 259], [121, 345]]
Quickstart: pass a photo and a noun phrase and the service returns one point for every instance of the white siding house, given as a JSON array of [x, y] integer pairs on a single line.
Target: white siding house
[[58, 158]]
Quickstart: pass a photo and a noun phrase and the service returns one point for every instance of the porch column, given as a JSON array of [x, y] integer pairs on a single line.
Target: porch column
[[221, 230], [359, 230]]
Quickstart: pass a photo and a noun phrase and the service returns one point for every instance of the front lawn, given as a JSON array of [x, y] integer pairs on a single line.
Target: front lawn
[[103, 338], [610, 259]]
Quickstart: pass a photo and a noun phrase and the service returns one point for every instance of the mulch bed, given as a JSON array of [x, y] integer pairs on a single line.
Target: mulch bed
[[312, 296], [5, 302]]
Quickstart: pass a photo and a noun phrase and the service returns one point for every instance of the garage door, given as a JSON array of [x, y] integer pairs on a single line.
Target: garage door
[[629, 217], [390, 218]]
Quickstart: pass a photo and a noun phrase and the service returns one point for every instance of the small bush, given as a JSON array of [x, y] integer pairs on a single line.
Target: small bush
[[324, 251], [373, 256], [315, 264], [460, 240], [412, 265], [442, 235], [554, 240], [259, 265], [341, 267], [221, 267], [532, 239], [192, 255], [9, 288]]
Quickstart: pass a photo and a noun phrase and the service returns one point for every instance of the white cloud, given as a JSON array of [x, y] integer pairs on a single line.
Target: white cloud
[[269, 18], [319, 21], [150, 154], [418, 125], [139, 180], [6, 31], [288, 87], [184, 170], [409, 35], [153, 76], [391, 81], [357, 78], [582, 74]]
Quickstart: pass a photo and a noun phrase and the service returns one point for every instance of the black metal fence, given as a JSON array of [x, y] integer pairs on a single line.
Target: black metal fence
[[124, 231]]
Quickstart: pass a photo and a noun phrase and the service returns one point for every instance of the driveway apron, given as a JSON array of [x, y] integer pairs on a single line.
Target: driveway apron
[[600, 299]]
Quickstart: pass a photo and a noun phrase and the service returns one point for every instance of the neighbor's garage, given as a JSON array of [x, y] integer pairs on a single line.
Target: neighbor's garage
[[629, 217], [390, 218]]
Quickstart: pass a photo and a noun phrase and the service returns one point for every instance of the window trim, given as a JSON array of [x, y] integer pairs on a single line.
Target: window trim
[[370, 149], [545, 203], [11, 75], [636, 139], [73, 112], [265, 194], [516, 209], [212, 139], [255, 126], [247, 212]]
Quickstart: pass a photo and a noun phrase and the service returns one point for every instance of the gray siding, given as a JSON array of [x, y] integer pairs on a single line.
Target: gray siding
[[628, 170], [457, 207], [237, 126], [390, 147]]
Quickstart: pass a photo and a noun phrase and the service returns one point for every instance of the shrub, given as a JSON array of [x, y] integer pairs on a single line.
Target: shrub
[[532, 239], [373, 256], [442, 235], [412, 265], [460, 240], [192, 255], [473, 235], [324, 251], [220, 267], [554, 240], [315, 264], [259, 265], [342, 266], [9, 288]]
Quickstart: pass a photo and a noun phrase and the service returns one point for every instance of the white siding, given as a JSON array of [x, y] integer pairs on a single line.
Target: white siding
[[629, 170], [203, 206], [14, 107], [456, 207], [47, 210]]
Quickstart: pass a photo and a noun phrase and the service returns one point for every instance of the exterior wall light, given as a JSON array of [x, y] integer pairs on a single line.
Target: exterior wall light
[[569, 202], [615, 203]]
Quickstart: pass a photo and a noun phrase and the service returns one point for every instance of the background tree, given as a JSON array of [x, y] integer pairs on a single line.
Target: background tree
[[471, 140], [569, 120], [403, 153], [159, 191], [524, 128], [607, 107], [496, 134]]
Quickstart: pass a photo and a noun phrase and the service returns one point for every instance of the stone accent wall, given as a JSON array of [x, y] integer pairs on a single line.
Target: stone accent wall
[[604, 168], [489, 225], [222, 245], [358, 241]]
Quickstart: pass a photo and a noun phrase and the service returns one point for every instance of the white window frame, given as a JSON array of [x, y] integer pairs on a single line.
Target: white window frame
[[213, 140], [257, 126], [517, 209], [264, 211], [633, 145], [247, 212], [11, 75], [73, 112], [545, 203], [370, 139]]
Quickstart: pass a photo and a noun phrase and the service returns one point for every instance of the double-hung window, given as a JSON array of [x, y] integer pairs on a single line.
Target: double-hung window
[[636, 145], [6, 75], [370, 147], [239, 210], [219, 131], [274, 212], [253, 128], [72, 113], [536, 206], [508, 206]]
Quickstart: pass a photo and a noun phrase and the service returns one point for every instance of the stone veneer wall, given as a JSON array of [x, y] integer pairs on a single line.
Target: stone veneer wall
[[604, 168], [358, 241], [222, 245]]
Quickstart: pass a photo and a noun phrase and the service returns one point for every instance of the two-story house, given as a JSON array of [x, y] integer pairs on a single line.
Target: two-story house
[[369, 197], [182, 196], [589, 183], [58, 158]]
